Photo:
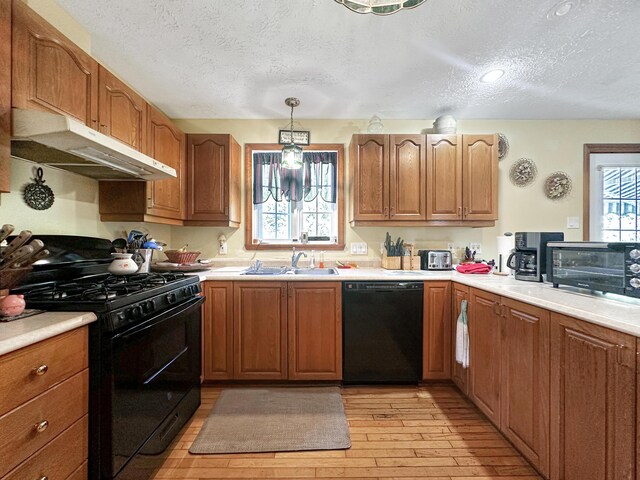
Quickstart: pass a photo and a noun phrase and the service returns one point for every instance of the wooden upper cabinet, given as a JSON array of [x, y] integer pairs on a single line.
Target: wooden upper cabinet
[[122, 113], [217, 331], [167, 144], [315, 330], [436, 336], [485, 349], [480, 177], [213, 185], [459, 375], [525, 381], [49, 72], [260, 330], [444, 177], [369, 161], [593, 422], [5, 96], [407, 177]]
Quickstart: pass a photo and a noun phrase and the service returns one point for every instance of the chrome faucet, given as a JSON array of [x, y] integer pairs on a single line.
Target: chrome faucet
[[296, 257]]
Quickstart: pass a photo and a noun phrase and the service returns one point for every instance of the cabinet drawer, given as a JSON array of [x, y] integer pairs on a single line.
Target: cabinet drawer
[[59, 407], [59, 358], [59, 459], [81, 473]]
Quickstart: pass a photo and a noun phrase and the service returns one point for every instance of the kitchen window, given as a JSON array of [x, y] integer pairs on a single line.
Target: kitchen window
[[614, 197], [283, 205]]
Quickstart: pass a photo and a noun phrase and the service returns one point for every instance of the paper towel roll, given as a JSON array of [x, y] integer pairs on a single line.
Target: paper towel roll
[[504, 243]]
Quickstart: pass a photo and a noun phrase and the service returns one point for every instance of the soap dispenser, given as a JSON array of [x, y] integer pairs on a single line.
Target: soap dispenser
[[312, 261]]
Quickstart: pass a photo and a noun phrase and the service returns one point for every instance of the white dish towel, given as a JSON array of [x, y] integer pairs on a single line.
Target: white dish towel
[[462, 337]]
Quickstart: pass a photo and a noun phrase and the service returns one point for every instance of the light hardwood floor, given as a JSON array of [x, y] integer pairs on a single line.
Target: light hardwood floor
[[396, 432]]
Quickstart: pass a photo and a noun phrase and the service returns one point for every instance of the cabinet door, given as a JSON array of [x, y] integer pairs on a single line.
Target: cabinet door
[[217, 331], [459, 375], [122, 112], [260, 330], [480, 177], [436, 347], [592, 401], [315, 330], [49, 72], [525, 381], [369, 159], [444, 177], [166, 143], [407, 177], [5, 96], [208, 174], [485, 344]]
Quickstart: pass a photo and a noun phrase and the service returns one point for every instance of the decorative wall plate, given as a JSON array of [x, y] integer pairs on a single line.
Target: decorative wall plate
[[523, 172], [557, 185], [503, 146], [38, 195]]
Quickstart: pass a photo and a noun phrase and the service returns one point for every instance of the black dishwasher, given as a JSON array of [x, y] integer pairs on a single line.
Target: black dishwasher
[[382, 332]]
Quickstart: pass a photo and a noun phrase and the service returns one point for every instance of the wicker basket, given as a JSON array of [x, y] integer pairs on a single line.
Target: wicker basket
[[181, 258]]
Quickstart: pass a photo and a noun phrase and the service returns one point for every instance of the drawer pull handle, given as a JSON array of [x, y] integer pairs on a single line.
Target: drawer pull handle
[[41, 370], [42, 426]]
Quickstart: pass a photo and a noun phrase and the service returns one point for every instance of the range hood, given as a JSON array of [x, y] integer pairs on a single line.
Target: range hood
[[64, 142]]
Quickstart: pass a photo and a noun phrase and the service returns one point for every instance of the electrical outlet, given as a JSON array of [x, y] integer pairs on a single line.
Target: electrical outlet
[[359, 248], [450, 246], [223, 250], [475, 247]]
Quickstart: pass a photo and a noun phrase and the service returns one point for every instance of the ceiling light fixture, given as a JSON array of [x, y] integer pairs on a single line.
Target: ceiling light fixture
[[491, 76], [560, 9], [292, 153], [380, 7]]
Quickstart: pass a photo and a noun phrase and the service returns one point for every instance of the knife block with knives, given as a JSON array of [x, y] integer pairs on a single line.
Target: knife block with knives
[[17, 258], [391, 257]]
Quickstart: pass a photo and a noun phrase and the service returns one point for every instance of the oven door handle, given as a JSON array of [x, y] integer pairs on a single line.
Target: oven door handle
[[165, 315]]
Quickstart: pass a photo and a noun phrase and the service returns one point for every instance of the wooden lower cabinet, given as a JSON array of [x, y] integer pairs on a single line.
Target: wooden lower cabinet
[[436, 331], [217, 331], [260, 330], [524, 396], [459, 375], [485, 345], [315, 331], [593, 401]]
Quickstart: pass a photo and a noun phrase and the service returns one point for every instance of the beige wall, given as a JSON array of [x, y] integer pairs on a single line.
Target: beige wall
[[553, 144]]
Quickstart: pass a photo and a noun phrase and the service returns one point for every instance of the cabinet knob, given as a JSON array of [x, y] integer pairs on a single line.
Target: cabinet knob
[[41, 370], [460, 211], [41, 426], [44, 478], [465, 211], [386, 211]]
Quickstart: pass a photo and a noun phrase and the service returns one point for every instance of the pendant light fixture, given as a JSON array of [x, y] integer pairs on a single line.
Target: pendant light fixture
[[292, 153], [380, 7]]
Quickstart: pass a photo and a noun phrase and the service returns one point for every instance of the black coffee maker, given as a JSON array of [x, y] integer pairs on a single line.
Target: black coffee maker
[[529, 259]]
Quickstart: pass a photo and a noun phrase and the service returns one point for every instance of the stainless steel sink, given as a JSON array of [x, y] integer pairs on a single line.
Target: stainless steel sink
[[315, 271], [265, 271]]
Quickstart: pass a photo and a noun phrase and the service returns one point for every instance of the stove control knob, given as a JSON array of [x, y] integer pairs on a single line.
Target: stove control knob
[[171, 297], [634, 254], [148, 306], [635, 268], [137, 311], [635, 282]]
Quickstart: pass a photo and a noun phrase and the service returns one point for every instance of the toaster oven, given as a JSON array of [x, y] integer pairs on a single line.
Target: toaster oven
[[598, 266]]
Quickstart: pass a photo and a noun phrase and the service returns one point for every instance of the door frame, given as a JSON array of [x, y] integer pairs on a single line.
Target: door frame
[[590, 148]]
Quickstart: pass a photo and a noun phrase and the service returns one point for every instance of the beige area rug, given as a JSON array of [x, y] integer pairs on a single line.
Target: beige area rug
[[248, 420]]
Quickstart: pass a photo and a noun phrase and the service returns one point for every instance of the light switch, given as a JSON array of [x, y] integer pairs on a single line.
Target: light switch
[[573, 222], [359, 248]]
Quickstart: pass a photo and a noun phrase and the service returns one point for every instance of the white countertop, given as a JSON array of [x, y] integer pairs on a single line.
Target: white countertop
[[27, 331], [613, 311]]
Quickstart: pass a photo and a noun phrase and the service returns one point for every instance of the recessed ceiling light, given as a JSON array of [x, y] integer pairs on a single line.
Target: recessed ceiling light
[[492, 76], [560, 9]]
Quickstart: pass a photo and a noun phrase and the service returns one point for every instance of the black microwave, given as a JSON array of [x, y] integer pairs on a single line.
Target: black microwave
[[598, 266]]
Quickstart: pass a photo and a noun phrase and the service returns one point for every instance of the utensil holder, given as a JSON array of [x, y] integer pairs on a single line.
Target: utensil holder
[[391, 263], [11, 277]]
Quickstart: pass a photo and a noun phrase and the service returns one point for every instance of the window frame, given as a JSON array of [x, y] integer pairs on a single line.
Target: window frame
[[253, 244], [590, 148]]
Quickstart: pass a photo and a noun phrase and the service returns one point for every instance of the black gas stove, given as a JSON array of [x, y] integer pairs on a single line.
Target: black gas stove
[[144, 350], [121, 300]]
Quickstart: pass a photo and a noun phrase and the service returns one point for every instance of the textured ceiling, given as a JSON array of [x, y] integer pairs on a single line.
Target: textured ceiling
[[242, 58]]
